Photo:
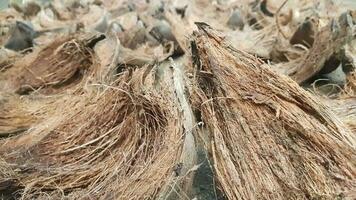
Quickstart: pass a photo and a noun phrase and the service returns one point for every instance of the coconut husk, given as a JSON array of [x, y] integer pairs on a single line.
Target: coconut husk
[[133, 139], [270, 138], [149, 111], [328, 42], [59, 65]]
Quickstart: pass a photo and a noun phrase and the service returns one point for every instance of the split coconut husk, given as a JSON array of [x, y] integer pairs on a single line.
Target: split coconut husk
[[126, 140], [133, 138], [144, 113], [270, 138]]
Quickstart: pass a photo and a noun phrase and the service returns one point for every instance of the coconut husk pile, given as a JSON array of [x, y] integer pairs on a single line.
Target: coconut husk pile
[[178, 100]]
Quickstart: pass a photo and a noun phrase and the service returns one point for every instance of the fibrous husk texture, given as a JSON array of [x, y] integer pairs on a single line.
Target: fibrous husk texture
[[14, 118], [132, 138], [351, 83], [328, 42], [148, 110], [345, 109], [271, 139], [122, 142], [61, 63]]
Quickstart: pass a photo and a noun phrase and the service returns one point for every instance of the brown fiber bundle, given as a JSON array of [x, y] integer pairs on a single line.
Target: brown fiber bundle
[[121, 142], [60, 64], [270, 138], [14, 118]]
